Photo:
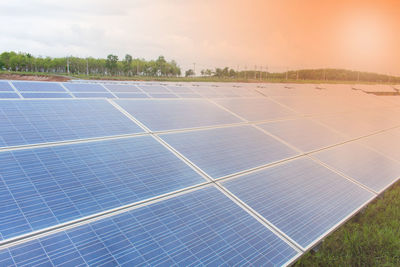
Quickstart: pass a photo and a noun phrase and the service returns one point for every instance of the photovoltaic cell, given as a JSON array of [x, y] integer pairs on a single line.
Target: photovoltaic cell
[[255, 109], [8, 95], [154, 89], [38, 87], [46, 95], [362, 164], [131, 95], [387, 143], [160, 115], [5, 87], [203, 227], [39, 121], [303, 133], [93, 95], [84, 87], [47, 186], [225, 151], [129, 88], [302, 198], [166, 95], [180, 89], [188, 95]]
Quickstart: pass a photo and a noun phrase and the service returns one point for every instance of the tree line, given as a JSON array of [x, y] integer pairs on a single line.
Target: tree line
[[306, 74], [110, 66], [129, 66]]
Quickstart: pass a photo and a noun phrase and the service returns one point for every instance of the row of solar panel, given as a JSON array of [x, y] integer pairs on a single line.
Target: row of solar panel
[[25, 122], [118, 172], [44, 187], [102, 174], [17, 89]]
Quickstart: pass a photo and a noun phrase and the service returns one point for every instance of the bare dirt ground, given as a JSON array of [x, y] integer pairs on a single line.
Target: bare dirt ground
[[53, 78]]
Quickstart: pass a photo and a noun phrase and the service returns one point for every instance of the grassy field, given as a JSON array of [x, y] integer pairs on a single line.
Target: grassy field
[[13, 75], [371, 238]]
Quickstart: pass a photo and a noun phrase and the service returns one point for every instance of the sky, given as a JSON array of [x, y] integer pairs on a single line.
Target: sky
[[278, 34]]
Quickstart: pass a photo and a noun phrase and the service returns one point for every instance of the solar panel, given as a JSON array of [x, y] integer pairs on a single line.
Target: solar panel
[[188, 95], [154, 89], [46, 95], [46, 186], [38, 87], [5, 87], [302, 198], [359, 124], [303, 133], [225, 151], [8, 95], [199, 228], [131, 95], [180, 89], [129, 88], [38, 121], [362, 164], [84, 87], [255, 109], [93, 95], [163, 95], [159, 115], [387, 143]]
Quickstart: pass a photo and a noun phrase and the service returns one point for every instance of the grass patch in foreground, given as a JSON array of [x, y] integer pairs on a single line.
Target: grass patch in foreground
[[371, 238]]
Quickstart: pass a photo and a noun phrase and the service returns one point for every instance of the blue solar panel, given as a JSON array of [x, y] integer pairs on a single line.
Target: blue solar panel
[[131, 95], [180, 89], [46, 186], [387, 143], [302, 198], [46, 95], [38, 87], [188, 95], [203, 227], [160, 115], [163, 95], [255, 109], [38, 121], [225, 151], [8, 95], [84, 87], [362, 164], [154, 89], [93, 95], [303, 133], [5, 87], [129, 88]]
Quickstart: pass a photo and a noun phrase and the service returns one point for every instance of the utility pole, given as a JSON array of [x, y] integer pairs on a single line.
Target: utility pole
[[358, 76], [245, 72], [266, 72], [260, 73], [255, 72], [68, 65], [87, 66], [287, 72], [194, 69], [297, 74]]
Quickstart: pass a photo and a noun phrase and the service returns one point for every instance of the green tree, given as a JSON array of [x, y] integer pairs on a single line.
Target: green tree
[[111, 63], [189, 73]]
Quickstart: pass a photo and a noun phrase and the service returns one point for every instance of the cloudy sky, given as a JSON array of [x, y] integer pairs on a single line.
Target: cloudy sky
[[280, 34]]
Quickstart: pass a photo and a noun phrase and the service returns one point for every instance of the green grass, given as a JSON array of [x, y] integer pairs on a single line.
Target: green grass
[[371, 238], [180, 79]]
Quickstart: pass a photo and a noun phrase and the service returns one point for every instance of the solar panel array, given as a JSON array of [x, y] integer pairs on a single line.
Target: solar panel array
[[186, 173]]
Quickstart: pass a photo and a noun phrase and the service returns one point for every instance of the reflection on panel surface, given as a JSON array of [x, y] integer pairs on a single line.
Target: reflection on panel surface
[[221, 152], [302, 198]]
